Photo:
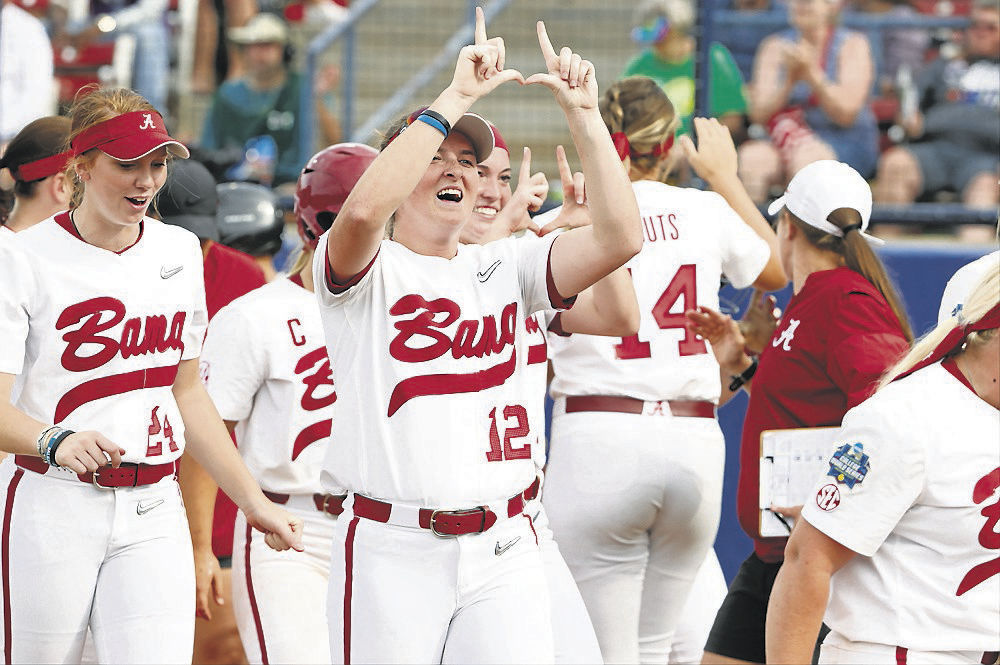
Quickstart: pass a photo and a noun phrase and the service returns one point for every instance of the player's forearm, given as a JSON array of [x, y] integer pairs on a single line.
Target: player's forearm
[[615, 308], [613, 208], [795, 611], [730, 187], [207, 440], [199, 491]]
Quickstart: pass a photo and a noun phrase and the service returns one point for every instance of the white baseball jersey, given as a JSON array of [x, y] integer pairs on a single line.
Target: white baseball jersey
[[5, 231], [265, 366], [429, 356], [963, 282], [691, 238], [96, 336], [914, 488]]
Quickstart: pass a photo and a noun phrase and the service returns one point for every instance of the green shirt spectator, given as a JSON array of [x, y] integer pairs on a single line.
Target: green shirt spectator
[[677, 80]]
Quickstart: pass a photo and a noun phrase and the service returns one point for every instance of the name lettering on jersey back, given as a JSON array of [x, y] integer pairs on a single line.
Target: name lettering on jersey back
[[660, 227], [423, 337], [986, 487], [139, 336]]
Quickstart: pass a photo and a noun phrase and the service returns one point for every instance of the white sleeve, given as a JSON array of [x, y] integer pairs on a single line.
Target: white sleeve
[[875, 475], [194, 331], [327, 293], [744, 253], [535, 274], [18, 282], [234, 362]]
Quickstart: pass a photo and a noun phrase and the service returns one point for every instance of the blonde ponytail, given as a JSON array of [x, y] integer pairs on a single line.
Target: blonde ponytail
[[982, 299]]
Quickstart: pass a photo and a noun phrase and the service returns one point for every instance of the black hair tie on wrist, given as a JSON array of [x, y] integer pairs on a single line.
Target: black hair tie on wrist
[[851, 227]]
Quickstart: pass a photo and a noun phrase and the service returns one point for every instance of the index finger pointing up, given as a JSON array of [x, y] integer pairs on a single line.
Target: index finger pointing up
[[548, 52], [525, 173], [565, 173], [480, 26]]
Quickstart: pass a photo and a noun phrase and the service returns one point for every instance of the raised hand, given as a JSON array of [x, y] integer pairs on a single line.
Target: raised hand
[[722, 333], [759, 321], [529, 195], [715, 154], [575, 211], [88, 451], [480, 66], [572, 79]]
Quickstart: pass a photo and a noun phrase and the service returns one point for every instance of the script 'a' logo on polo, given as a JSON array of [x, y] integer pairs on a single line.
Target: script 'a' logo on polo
[[147, 121], [787, 335]]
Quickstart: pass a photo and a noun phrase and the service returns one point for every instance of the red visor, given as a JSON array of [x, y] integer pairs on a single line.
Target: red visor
[[953, 342], [128, 137], [41, 168], [498, 141]]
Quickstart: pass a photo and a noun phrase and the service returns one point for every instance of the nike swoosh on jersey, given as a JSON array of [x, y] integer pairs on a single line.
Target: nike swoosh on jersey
[[500, 550], [486, 274], [144, 507], [167, 273]]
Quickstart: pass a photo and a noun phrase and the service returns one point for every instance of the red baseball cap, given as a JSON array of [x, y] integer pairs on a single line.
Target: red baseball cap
[[498, 141], [128, 137]]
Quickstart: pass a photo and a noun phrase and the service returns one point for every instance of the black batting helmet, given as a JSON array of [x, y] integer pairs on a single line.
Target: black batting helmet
[[249, 218], [324, 184]]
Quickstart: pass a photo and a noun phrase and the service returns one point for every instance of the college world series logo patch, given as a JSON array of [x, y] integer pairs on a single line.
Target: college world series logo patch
[[849, 464]]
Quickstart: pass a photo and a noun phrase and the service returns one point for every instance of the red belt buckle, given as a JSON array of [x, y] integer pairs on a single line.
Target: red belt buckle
[[481, 510], [328, 504], [96, 482]]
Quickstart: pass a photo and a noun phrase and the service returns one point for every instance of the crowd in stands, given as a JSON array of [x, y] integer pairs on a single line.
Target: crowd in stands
[[913, 109]]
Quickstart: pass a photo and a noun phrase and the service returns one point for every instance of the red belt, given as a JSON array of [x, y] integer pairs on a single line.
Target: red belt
[[616, 404], [447, 522], [108, 477], [330, 504]]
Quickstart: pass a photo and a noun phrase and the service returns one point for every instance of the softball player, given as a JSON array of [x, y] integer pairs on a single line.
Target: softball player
[[635, 531], [36, 160], [431, 334], [267, 370], [843, 327], [609, 307], [102, 326], [928, 574]]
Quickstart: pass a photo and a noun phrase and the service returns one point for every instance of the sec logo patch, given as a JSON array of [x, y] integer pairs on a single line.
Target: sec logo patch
[[828, 497]]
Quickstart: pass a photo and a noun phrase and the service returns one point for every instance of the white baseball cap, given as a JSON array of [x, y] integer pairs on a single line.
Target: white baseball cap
[[264, 28], [822, 187]]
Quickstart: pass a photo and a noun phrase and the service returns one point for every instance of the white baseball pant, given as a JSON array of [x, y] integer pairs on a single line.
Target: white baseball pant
[[118, 561], [279, 598], [572, 632], [838, 649], [634, 502], [703, 603], [400, 594]]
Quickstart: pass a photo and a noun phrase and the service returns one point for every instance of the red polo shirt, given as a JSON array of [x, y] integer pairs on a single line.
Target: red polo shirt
[[836, 338]]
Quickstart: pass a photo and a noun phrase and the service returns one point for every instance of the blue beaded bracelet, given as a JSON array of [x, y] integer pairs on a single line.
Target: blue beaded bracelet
[[50, 450]]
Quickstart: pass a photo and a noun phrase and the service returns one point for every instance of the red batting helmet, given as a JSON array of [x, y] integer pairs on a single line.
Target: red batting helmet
[[324, 184]]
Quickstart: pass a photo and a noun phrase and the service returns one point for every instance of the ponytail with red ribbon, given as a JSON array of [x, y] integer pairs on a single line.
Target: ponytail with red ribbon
[[624, 148]]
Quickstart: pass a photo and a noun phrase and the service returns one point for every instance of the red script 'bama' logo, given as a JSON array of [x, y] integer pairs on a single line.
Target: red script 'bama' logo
[[989, 537], [317, 377], [139, 336], [422, 338]]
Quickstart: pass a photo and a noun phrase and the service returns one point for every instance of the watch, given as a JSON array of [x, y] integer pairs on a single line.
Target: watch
[[740, 380]]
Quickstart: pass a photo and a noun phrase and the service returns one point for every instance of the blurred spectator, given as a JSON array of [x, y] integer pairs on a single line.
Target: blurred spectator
[[664, 27], [901, 47], [145, 20], [216, 59], [810, 87], [954, 128], [36, 159], [265, 102], [27, 87], [751, 5]]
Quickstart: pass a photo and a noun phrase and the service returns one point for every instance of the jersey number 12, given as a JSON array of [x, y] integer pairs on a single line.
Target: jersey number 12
[[683, 285]]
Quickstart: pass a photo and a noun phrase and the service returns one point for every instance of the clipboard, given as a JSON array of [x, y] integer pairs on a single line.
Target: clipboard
[[791, 461]]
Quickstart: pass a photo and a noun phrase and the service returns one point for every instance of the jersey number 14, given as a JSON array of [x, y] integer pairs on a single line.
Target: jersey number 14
[[683, 285]]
